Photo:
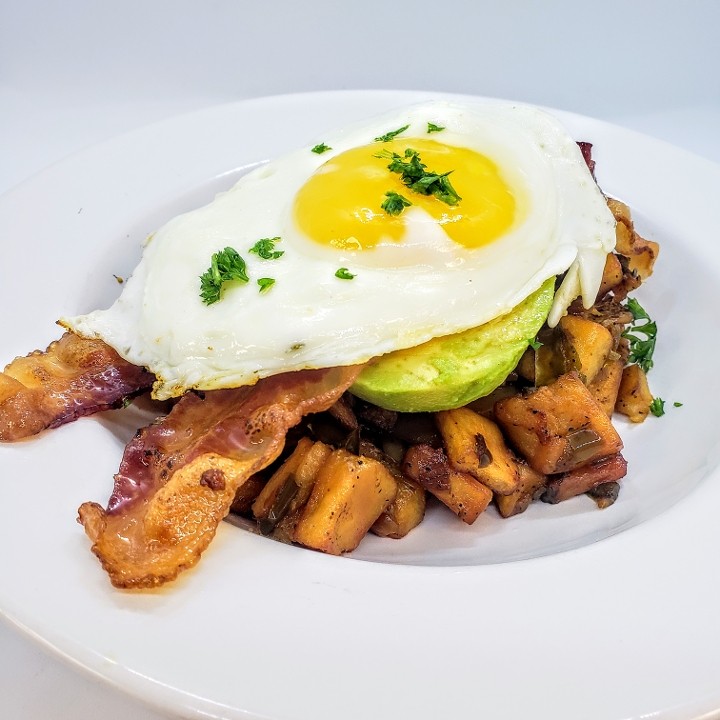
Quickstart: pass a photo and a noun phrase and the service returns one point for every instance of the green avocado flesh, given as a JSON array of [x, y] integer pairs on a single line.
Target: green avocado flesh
[[451, 371]]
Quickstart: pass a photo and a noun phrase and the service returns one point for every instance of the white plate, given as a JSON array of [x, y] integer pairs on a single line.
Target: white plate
[[610, 615]]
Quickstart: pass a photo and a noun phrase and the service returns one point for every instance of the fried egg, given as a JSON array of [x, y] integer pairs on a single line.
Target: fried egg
[[353, 272]]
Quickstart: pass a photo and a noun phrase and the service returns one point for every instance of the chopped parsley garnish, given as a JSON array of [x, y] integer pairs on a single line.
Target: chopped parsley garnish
[[320, 148], [657, 407], [535, 344], [265, 284], [387, 137], [265, 248], [394, 203], [415, 175], [432, 127], [344, 274], [641, 348], [677, 404], [225, 266]]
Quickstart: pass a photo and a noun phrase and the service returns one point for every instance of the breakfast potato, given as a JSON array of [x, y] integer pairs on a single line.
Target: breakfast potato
[[558, 427], [634, 396], [404, 513], [612, 275], [584, 479], [606, 384], [290, 486], [348, 496], [517, 502], [475, 445], [586, 346], [462, 493]]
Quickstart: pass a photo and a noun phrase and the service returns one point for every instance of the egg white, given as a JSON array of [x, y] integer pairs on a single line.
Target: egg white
[[402, 294]]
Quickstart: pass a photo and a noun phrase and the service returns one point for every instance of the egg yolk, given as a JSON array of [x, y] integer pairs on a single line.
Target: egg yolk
[[340, 205]]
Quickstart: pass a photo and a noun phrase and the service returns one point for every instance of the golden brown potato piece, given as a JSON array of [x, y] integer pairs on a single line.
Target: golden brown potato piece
[[558, 427], [404, 513], [605, 386], [465, 496], [584, 479], [620, 211], [291, 484], [586, 346], [612, 275], [634, 396], [459, 491], [531, 482], [640, 253], [475, 445], [348, 496]]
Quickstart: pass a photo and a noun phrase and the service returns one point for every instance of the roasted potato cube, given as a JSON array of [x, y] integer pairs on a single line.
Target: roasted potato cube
[[584, 479], [289, 487], [605, 386], [475, 445], [558, 427], [404, 513], [612, 275], [459, 491], [586, 345], [348, 496], [640, 253], [517, 502], [634, 396], [620, 211], [465, 496]]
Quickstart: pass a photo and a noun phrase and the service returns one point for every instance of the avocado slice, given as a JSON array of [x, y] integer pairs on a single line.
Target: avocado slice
[[451, 371]]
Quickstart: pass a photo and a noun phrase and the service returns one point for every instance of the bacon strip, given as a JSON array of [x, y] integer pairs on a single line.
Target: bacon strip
[[178, 476], [72, 378]]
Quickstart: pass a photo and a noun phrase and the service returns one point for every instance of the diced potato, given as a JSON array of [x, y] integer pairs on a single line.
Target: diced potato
[[634, 396], [475, 445], [605, 386], [641, 253], [348, 496], [612, 275], [584, 479], [289, 487], [586, 345], [404, 513], [620, 211], [461, 492], [531, 482], [465, 496], [558, 427]]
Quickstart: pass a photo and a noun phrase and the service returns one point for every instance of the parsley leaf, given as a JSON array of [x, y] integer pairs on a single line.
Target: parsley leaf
[[320, 148], [414, 175], [395, 203], [344, 274], [265, 284], [677, 404], [432, 127], [641, 348], [657, 407], [225, 266], [265, 248], [387, 137], [535, 344]]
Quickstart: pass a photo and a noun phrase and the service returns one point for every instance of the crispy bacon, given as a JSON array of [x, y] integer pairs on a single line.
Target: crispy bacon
[[72, 378], [178, 476]]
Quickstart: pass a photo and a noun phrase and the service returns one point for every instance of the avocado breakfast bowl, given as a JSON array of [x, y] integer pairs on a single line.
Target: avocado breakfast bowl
[[435, 405]]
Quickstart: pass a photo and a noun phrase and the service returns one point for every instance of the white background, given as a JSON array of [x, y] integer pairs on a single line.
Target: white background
[[77, 72]]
